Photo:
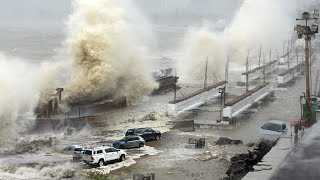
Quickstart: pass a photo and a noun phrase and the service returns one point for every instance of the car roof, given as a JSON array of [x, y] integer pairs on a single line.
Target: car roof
[[132, 136], [103, 147], [100, 147], [276, 122], [76, 146], [139, 128]]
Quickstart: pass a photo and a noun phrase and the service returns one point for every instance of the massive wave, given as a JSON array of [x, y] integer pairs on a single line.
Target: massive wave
[[266, 23], [108, 57], [104, 56]]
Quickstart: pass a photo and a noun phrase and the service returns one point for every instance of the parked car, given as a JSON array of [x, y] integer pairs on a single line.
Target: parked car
[[147, 134], [74, 150], [273, 129], [101, 155], [129, 142]]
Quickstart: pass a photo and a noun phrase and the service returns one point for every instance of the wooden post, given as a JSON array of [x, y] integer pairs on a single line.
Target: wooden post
[[206, 74], [308, 100], [247, 75]]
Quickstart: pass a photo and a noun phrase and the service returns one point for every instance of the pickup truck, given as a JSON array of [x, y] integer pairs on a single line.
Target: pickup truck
[[101, 155]]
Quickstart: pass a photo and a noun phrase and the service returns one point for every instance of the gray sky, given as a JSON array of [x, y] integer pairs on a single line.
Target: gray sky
[[52, 13], [34, 12]]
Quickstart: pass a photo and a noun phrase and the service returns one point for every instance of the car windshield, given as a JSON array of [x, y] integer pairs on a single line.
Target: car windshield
[[124, 139], [78, 149], [88, 152], [272, 127]]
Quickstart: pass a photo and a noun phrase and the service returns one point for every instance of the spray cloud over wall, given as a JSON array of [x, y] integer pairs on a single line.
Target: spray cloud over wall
[[200, 45], [258, 22], [105, 59], [108, 59]]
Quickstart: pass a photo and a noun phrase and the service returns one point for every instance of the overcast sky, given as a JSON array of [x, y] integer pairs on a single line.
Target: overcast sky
[[52, 13]]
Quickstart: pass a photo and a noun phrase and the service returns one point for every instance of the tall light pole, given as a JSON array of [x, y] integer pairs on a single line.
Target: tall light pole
[[307, 32], [247, 74], [222, 91]]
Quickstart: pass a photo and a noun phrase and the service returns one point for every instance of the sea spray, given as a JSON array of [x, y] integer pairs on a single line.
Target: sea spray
[[260, 23], [200, 45], [18, 96], [266, 23], [108, 61], [24, 86]]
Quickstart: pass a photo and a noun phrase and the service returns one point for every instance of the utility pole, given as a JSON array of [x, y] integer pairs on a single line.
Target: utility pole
[[297, 54], [264, 67], [175, 86], [284, 43], [247, 74], [278, 61], [270, 55], [206, 74], [226, 78], [308, 100], [306, 32], [288, 56], [260, 55], [310, 64]]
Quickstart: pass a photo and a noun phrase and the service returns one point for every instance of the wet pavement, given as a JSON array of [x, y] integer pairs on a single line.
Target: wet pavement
[[171, 157], [178, 161]]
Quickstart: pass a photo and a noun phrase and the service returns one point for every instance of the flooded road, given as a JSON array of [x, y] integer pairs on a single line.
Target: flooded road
[[170, 158], [39, 154]]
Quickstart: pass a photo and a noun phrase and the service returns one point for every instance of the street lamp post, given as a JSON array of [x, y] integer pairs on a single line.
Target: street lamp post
[[307, 32], [222, 92], [301, 107]]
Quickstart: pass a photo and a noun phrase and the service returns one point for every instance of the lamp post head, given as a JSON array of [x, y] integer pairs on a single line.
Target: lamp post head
[[221, 90], [314, 28], [315, 13], [306, 16], [297, 28], [312, 37]]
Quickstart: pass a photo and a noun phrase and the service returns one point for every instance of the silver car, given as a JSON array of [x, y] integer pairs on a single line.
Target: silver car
[[74, 150], [129, 142]]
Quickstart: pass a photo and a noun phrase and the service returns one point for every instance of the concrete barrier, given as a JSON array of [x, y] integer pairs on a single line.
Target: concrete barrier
[[245, 101], [196, 99], [258, 72], [286, 77]]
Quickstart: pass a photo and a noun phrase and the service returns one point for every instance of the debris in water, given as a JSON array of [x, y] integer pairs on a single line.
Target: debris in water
[[227, 141]]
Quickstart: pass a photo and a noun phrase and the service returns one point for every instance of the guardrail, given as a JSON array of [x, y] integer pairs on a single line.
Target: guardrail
[[286, 77], [196, 99], [245, 101], [258, 72]]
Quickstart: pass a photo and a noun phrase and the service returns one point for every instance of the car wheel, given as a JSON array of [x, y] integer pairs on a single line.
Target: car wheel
[[122, 157], [101, 163], [121, 147], [157, 137], [141, 145]]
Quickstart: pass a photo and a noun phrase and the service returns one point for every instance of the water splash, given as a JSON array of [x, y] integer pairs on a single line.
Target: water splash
[[108, 60], [265, 22]]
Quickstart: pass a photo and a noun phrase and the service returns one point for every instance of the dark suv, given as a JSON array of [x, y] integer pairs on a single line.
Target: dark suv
[[147, 134]]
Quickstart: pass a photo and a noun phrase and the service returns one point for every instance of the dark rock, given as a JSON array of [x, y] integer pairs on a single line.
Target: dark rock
[[241, 164], [250, 144], [227, 141]]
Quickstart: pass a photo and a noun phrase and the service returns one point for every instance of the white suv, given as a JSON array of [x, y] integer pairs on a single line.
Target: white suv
[[101, 155]]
